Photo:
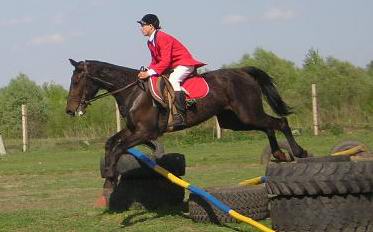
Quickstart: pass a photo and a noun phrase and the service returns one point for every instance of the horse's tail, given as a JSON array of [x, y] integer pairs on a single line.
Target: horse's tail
[[269, 90]]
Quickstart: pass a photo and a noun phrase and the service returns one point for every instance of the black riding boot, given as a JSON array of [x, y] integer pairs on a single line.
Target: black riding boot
[[180, 116]]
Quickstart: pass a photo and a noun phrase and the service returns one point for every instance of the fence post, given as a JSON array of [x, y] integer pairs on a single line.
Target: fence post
[[218, 129], [117, 114], [2, 147], [315, 111], [24, 128]]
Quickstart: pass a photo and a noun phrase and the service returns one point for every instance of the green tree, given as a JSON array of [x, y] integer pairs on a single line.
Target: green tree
[[22, 90], [370, 68], [57, 121]]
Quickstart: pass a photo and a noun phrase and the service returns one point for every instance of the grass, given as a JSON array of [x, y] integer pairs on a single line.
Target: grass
[[54, 187]]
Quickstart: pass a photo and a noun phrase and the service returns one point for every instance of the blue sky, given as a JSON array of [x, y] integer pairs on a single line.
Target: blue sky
[[38, 36]]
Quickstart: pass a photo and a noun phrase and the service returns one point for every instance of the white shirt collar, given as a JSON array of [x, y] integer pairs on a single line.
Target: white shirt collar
[[151, 37]]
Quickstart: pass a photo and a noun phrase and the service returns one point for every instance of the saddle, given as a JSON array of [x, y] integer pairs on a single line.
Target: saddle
[[195, 87]]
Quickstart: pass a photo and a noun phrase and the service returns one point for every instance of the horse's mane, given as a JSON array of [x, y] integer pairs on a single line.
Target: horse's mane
[[111, 66]]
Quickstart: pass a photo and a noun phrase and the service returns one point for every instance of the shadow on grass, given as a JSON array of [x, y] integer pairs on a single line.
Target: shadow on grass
[[146, 199], [151, 214]]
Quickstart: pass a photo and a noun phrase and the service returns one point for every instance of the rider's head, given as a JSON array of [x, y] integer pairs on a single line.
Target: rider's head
[[149, 23]]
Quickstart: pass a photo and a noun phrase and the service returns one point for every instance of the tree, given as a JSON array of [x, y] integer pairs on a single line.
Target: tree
[[312, 59], [22, 90], [57, 120], [370, 68]]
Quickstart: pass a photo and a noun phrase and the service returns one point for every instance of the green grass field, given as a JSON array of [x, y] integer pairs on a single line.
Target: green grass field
[[54, 188]]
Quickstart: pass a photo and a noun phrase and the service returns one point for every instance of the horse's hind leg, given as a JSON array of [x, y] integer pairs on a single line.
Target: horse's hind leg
[[297, 150], [254, 118], [275, 149], [281, 124], [229, 120]]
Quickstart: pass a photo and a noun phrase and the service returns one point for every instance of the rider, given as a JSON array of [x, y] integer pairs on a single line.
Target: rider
[[168, 54]]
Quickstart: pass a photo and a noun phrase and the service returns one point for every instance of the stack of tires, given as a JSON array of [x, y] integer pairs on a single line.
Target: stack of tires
[[321, 194], [142, 187]]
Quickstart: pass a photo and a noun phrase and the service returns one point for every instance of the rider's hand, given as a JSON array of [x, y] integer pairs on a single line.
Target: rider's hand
[[143, 74]]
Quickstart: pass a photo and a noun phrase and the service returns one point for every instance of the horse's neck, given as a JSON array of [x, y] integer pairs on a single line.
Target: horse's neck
[[117, 78]]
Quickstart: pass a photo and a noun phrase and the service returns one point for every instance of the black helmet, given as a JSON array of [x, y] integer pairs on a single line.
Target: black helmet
[[150, 19]]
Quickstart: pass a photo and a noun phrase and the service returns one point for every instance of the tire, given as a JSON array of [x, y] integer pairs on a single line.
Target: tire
[[339, 158], [250, 201], [132, 168], [146, 194], [283, 145], [343, 146], [319, 178], [351, 212]]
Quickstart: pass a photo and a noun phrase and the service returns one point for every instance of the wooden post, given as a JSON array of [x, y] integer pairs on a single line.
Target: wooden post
[[24, 129], [315, 111], [2, 147], [117, 114], [218, 129]]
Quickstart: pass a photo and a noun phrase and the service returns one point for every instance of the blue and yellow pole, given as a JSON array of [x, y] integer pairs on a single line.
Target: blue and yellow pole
[[352, 151], [194, 189], [254, 181]]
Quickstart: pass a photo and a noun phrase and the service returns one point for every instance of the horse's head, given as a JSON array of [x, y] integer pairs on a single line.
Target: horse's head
[[82, 88]]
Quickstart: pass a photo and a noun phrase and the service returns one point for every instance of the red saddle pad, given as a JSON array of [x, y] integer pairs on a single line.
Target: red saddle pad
[[195, 87]]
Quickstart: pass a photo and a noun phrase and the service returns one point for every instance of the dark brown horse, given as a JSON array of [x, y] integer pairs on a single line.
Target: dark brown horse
[[235, 97]]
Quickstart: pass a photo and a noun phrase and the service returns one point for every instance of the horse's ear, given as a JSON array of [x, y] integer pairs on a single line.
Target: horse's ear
[[73, 62]]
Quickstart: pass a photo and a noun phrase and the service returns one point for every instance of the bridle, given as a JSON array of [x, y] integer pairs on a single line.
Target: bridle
[[86, 75]]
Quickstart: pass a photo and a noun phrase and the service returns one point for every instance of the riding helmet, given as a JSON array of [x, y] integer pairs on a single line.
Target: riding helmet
[[150, 19]]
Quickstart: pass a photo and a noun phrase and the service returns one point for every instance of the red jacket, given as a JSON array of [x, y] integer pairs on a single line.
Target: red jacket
[[168, 53]]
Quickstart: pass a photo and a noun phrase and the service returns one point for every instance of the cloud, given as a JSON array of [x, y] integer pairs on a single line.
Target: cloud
[[277, 14], [271, 15], [48, 39], [15, 22], [234, 19]]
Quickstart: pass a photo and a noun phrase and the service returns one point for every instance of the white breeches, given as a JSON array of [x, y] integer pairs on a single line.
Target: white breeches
[[178, 75]]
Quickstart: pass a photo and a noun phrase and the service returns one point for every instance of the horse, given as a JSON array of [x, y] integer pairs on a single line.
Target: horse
[[234, 97]]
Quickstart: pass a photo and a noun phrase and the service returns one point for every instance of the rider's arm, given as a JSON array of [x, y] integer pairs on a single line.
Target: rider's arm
[[165, 47]]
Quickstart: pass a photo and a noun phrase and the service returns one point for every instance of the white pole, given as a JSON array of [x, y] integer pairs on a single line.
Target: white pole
[[24, 128], [2, 147], [315, 111], [218, 129], [117, 114]]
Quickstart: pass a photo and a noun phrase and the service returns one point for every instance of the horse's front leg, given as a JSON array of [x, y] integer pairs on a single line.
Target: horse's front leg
[[126, 139], [110, 177]]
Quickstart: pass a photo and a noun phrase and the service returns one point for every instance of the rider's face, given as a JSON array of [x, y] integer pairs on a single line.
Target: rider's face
[[147, 30]]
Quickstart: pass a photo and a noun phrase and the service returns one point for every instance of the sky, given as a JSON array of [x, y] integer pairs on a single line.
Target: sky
[[37, 37]]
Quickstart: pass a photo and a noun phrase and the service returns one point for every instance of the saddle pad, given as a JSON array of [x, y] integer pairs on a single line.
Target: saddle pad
[[194, 87]]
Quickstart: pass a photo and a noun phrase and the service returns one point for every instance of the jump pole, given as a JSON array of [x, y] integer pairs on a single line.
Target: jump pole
[[194, 189], [254, 181]]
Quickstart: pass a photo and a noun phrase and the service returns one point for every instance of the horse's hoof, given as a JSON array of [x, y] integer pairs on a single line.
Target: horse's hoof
[[304, 154], [281, 156], [102, 202]]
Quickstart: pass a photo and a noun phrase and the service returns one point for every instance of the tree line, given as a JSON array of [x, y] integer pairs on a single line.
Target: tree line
[[345, 98]]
